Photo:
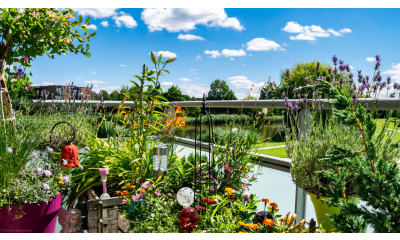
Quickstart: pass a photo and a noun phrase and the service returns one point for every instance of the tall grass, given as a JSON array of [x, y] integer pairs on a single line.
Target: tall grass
[[221, 118]]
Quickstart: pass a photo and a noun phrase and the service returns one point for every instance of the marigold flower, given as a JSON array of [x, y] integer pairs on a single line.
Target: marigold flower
[[241, 223], [273, 205], [255, 226], [241, 232], [60, 182], [229, 190], [142, 191], [266, 200], [117, 192], [59, 178], [268, 222], [123, 193], [248, 225], [127, 185]]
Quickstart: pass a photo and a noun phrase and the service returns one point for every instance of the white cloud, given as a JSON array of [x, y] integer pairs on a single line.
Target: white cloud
[[91, 26], [79, 78], [109, 89], [184, 79], [185, 19], [310, 33], [105, 23], [233, 53], [284, 44], [394, 72], [240, 95], [167, 84], [96, 12], [122, 65], [190, 37], [193, 69], [243, 65], [95, 82], [194, 72], [262, 44], [351, 67], [345, 30], [94, 72], [47, 83], [194, 90], [334, 32], [197, 78], [242, 83], [232, 59], [124, 19], [214, 53], [166, 54], [198, 57], [370, 59]]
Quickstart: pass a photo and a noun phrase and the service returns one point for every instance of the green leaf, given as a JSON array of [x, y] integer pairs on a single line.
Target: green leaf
[[166, 71], [80, 39], [84, 29], [74, 24], [4, 13], [80, 18], [87, 21], [159, 58], [92, 34], [87, 47]]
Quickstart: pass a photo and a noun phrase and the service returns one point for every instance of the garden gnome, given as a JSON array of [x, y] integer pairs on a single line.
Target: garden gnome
[[70, 221], [71, 155]]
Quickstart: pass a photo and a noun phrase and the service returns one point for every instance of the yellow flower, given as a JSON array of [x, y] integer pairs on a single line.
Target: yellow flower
[[60, 182], [266, 200], [255, 226], [229, 190], [132, 187], [123, 193], [142, 190], [59, 178], [241, 223], [248, 225], [117, 192], [241, 232], [268, 222]]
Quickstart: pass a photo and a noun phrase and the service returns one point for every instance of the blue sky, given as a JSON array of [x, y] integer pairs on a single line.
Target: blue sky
[[241, 46]]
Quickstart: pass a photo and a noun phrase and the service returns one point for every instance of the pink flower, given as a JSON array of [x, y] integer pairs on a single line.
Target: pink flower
[[135, 198], [81, 167], [123, 202], [137, 180], [150, 203], [25, 59], [65, 162], [144, 186]]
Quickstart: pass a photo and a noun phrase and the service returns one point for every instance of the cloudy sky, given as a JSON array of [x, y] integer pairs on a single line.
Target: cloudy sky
[[241, 46]]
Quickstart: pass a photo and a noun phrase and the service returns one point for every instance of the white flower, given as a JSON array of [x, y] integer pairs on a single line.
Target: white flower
[[265, 110], [65, 162], [234, 130], [247, 194]]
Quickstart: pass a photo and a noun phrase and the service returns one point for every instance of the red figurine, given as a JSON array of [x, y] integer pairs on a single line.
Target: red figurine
[[70, 154], [188, 218]]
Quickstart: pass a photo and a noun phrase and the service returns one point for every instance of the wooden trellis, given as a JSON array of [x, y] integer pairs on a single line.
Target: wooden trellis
[[6, 111]]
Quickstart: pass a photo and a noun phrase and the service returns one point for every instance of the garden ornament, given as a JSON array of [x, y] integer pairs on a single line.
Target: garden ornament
[[188, 218], [185, 197], [260, 216], [103, 173], [70, 221], [69, 153], [204, 175], [160, 159]]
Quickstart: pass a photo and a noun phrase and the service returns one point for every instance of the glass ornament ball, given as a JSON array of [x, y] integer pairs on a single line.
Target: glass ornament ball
[[260, 216], [188, 218], [185, 196]]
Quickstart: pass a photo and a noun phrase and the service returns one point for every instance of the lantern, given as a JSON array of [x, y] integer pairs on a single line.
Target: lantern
[[185, 196], [103, 173], [160, 159], [188, 218]]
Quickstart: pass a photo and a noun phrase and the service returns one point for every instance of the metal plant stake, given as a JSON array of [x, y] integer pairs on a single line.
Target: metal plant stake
[[202, 179]]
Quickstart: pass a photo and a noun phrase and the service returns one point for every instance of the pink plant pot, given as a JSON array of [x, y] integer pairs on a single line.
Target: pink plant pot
[[38, 218]]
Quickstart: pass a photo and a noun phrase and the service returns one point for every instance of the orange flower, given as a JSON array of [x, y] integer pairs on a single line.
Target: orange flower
[[268, 222], [133, 187], [229, 190], [255, 227], [241, 232], [117, 192], [266, 200], [248, 225], [241, 223], [61, 182], [127, 185], [59, 178], [142, 190], [273, 205], [123, 193]]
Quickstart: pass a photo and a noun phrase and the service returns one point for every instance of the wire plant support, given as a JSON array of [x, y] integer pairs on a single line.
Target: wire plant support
[[68, 140], [200, 179]]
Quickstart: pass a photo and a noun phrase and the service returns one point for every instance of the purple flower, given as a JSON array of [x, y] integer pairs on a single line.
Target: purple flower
[[144, 186], [135, 198], [216, 182], [378, 58], [347, 67], [47, 164], [334, 59], [46, 186], [318, 64], [287, 72], [39, 170], [227, 169], [19, 72], [137, 180], [378, 63], [149, 185], [28, 86], [47, 172], [87, 148], [65, 179], [396, 85], [342, 67], [49, 149], [9, 150], [246, 198], [388, 80], [25, 59], [329, 70], [246, 186], [81, 167], [306, 80], [351, 75]]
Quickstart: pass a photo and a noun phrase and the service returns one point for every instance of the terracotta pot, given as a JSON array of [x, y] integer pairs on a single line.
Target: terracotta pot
[[38, 218]]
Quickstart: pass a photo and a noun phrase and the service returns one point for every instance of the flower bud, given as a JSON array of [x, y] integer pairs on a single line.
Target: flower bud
[[170, 60]]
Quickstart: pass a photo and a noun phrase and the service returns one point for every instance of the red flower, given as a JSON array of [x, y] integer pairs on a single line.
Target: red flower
[[231, 197], [201, 208]]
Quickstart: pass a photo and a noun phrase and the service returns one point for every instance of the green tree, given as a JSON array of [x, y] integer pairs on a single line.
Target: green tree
[[115, 95], [219, 90], [31, 32], [106, 95], [174, 94]]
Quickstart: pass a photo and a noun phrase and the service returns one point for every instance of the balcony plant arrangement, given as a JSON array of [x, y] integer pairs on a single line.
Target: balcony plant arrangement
[[333, 152]]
